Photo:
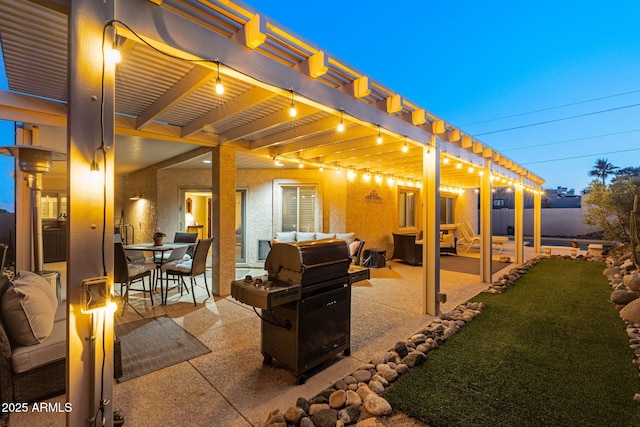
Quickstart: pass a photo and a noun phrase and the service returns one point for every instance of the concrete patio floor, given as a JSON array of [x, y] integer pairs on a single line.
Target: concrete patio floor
[[231, 386]]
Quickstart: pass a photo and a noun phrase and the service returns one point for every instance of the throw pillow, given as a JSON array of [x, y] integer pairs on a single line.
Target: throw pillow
[[347, 237], [305, 237], [353, 247], [27, 314], [28, 279], [286, 236]]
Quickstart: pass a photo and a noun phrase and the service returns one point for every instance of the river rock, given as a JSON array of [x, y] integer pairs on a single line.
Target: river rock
[[631, 313], [362, 376], [337, 399], [376, 387], [632, 281], [349, 415], [318, 407], [276, 419], [306, 422], [363, 391], [325, 418], [401, 349], [353, 399], [622, 297], [627, 265], [414, 359], [293, 415], [376, 405]]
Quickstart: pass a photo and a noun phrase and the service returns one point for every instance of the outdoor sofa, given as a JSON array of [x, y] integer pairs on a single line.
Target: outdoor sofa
[[32, 362], [408, 246]]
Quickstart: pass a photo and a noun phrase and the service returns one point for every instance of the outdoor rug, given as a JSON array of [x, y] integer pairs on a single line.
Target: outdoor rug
[[468, 265], [148, 345]]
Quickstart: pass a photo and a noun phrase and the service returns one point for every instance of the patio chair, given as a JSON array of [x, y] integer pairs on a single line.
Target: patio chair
[[469, 238], [177, 254], [125, 273], [191, 268]]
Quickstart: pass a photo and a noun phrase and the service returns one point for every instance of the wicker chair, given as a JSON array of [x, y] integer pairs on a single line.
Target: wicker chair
[[126, 273], [191, 268]]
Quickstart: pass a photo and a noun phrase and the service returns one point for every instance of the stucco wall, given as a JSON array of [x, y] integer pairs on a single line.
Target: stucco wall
[[367, 208]]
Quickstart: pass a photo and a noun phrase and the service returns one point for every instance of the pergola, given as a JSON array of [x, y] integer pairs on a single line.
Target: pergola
[[161, 101]]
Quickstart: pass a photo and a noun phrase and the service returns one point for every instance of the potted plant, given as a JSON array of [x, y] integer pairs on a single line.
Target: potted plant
[[62, 220], [158, 236], [118, 418]]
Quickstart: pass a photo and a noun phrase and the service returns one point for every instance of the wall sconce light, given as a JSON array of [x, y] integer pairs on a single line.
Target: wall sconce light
[[135, 196], [277, 161]]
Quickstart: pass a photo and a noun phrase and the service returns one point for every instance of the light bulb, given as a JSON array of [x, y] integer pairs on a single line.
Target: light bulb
[[379, 139], [341, 126], [405, 148], [292, 110], [112, 56], [219, 87]]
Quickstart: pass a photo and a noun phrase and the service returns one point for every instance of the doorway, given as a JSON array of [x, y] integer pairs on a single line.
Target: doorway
[[195, 215]]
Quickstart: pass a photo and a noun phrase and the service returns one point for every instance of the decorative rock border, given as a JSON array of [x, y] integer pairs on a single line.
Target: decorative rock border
[[355, 399], [624, 280]]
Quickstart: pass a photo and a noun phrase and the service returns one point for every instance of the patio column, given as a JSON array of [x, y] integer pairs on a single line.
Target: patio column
[[519, 222], [223, 219], [90, 209], [431, 226], [537, 219], [485, 225]]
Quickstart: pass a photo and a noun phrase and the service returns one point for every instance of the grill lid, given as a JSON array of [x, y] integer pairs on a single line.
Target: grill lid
[[308, 262]]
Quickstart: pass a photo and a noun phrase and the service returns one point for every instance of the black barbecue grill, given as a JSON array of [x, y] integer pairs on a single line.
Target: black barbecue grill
[[305, 303]]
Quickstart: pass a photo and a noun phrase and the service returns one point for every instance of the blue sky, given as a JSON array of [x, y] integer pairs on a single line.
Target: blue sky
[[469, 62], [473, 63]]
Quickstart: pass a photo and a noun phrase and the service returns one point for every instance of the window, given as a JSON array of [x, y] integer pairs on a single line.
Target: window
[[298, 208], [407, 208], [447, 210]]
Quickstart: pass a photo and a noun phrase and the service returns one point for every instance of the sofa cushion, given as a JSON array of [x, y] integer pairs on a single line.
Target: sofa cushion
[[27, 314], [305, 237], [347, 237], [286, 236], [321, 236], [52, 349]]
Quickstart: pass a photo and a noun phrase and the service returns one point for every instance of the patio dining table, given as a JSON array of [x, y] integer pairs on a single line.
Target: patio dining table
[[159, 260]]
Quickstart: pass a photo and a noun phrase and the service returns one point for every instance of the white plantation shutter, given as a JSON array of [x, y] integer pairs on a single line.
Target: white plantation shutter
[[298, 208]]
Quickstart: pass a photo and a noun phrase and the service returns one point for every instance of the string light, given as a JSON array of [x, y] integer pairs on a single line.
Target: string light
[[341, 124], [219, 86], [292, 108]]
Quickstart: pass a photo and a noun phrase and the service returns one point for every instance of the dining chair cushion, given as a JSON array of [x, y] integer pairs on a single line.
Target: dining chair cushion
[[137, 269], [181, 266]]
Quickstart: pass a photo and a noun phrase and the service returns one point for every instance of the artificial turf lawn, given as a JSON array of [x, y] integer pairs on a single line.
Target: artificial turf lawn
[[550, 351]]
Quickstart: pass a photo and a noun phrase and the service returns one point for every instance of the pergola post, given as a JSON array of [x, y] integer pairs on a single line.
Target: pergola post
[[537, 219], [519, 222], [485, 225], [90, 228], [223, 219], [431, 226]]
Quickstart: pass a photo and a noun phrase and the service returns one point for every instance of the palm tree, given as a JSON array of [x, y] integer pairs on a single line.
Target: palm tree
[[603, 169]]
